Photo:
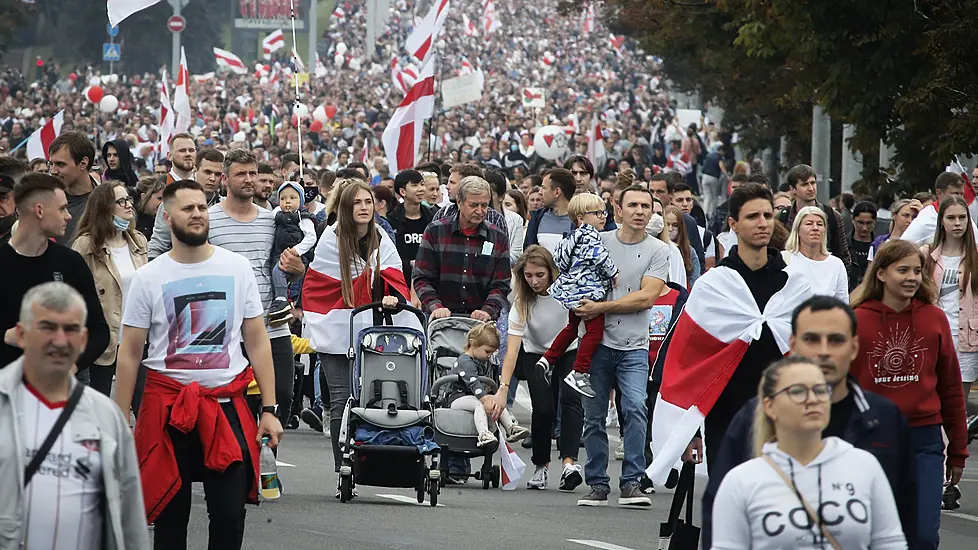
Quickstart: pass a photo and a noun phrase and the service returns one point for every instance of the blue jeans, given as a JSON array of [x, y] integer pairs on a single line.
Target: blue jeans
[[631, 370], [281, 287], [317, 388], [928, 450]]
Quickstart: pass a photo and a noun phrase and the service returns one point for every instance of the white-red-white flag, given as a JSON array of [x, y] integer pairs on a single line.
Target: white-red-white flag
[[616, 42], [273, 42], [589, 20], [468, 26], [467, 67], [490, 19], [118, 10], [402, 137], [595, 142], [229, 61], [511, 466], [420, 42], [167, 117], [322, 292], [181, 96], [41, 139], [338, 14], [300, 67], [709, 340], [320, 70]]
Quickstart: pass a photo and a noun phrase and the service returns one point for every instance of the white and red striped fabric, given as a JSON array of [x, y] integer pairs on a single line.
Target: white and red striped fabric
[[595, 142], [167, 117], [710, 338], [320, 70], [467, 67], [490, 21], [327, 315], [468, 26], [511, 466], [229, 61], [118, 10], [589, 20], [273, 42], [403, 78], [402, 137], [616, 42], [338, 14], [426, 31], [41, 139], [181, 96]]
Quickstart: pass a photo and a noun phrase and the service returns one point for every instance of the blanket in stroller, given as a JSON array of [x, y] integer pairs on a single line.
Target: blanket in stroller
[[409, 436]]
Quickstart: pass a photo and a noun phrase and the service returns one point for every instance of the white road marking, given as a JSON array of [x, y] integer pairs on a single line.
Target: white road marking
[[285, 464], [968, 517], [406, 500], [599, 544]]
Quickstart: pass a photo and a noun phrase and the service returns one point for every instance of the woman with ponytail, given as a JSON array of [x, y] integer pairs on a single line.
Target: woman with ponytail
[[802, 491]]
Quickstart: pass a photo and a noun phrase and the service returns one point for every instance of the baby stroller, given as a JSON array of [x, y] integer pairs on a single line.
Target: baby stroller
[[455, 430], [386, 437]]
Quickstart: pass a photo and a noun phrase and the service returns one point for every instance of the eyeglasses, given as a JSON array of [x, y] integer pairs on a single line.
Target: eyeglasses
[[124, 202], [798, 393], [598, 213]]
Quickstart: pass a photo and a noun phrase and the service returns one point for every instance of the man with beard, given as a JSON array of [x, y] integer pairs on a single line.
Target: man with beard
[[182, 157], [823, 329], [266, 184], [210, 165], [213, 436], [118, 160], [72, 156]]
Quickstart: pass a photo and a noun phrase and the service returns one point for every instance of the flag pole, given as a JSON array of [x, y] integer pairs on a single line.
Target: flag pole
[[434, 116], [295, 107]]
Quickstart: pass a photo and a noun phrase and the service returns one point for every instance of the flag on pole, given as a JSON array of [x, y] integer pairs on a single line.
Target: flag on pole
[[320, 70], [181, 96], [468, 26], [402, 137], [616, 42], [167, 119], [322, 292], [467, 67], [425, 32], [118, 10], [490, 21], [300, 67], [230, 61], [41, 139], [273, 42], [589, 19], [969, 190], [595, 142], [511, 465], [709, 340]]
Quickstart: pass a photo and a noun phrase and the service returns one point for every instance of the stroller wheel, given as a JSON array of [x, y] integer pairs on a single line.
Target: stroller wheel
[[433, 489], [422, 483], [346, 488], [496, 477]]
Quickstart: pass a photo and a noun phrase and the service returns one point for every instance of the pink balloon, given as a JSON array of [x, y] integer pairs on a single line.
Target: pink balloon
[[316, 126], [95, 94], [73, 77], [330, 111]]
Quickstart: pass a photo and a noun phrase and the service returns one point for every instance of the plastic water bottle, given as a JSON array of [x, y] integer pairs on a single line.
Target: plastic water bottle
[[269, 472]]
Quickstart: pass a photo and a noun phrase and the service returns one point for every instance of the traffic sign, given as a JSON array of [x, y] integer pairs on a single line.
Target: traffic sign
[[111, 31], [176, 23], [111, 52]]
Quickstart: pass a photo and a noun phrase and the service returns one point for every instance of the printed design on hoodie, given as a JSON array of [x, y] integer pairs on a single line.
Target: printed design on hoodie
[[896, 358]]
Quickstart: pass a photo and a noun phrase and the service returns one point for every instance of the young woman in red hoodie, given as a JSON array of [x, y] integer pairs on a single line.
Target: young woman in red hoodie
[[907, 354]]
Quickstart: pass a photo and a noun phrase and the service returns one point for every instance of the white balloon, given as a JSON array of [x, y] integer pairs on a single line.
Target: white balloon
[[114, 78], [550, 142], [341, 48], [319, 113], [106, 79], [109, 104], [338, 60], [301, 110]]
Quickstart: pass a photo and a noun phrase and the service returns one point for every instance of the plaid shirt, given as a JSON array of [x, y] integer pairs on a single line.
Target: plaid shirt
[[453, 271]]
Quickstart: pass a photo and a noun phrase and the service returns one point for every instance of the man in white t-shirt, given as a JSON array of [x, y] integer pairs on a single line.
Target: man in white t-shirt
[[922, 229], [86, 488], [682, 198], [197, 304]]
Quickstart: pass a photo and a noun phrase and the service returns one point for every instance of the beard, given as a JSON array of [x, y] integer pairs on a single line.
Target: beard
[[188, 238]]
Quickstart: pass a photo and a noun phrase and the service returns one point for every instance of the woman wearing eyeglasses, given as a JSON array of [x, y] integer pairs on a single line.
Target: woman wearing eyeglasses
[[907, 354], [802, 491], [113, 249]]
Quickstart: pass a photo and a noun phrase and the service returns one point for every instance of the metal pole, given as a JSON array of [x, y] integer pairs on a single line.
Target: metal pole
[[295, 108], [432, 128], [111, 63], [313, 32], [852, 161], [822, 151], [175, 57]]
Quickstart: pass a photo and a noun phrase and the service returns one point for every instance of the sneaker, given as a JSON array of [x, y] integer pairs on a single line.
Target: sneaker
[[486, 438], [631, 495], [545, 367], [951, 499], [293, 423], [620, 451], [612, 418], [516, 433], [310, 417], [645, 485], [279, 312], [580, 382], [572, 476], [527, 443], [597, 497], [540, 479]]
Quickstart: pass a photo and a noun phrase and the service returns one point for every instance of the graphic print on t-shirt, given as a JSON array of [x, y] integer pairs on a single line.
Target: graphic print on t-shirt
[[949, 283], [659, 317], [896, 358], [197, 311]]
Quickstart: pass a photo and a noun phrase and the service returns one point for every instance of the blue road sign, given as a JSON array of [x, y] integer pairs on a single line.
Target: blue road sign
[[111, 52], [112, 31]]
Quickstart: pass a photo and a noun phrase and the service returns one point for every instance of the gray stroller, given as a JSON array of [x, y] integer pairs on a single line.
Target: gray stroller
[[386, 437], [455, 430]]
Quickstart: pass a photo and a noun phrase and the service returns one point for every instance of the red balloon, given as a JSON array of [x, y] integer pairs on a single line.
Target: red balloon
[[73, 77], [95, 94], [330, 111], [316, 126]]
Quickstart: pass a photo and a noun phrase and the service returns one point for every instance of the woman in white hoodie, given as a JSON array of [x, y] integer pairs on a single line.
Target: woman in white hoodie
[[803, 491]]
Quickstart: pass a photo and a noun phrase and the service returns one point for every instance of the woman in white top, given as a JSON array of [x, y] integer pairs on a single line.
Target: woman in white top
[[532, 329], [113, 249], [802, 491], [807, 254]]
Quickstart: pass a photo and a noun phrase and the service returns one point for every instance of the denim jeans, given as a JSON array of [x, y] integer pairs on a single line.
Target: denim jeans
[[317, 402], [280, 284], [631, 370], [928, 451]]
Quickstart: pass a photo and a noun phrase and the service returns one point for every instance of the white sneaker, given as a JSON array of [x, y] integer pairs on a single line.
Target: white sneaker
[[572, 476], [540, 479], [620, 451], [486, 438], [516, 433], [612, 418]]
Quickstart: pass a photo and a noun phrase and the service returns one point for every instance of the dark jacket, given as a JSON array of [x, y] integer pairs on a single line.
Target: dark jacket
[[876, 425], [718, 221], [395, 216], [287, 230], [468, 370], [533, 227], [125, 172]]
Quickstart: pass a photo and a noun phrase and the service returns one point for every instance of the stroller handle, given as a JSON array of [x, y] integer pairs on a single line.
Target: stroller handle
[[449, 378], [399, 308]]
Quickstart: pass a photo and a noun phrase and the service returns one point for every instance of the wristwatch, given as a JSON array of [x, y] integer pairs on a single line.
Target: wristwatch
[[271, 409], [501, 384]]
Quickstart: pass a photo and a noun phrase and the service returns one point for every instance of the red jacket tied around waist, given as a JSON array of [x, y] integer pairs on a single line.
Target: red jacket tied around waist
[[189, 407]]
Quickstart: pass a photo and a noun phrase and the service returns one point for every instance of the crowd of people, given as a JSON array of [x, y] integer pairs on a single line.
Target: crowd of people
[[174, 283]]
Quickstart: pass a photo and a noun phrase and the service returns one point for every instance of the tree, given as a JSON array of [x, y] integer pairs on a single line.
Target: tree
[[14, 16]]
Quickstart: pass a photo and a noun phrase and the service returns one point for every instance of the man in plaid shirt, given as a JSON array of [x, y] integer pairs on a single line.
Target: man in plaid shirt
[[463, 262]]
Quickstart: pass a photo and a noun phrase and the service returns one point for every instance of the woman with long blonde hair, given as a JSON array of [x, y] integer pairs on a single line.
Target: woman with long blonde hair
[[807, 254], [906, 354], [783, 498]]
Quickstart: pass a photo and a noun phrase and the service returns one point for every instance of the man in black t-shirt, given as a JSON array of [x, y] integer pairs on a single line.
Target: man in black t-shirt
[[409, 219], [861, 239]]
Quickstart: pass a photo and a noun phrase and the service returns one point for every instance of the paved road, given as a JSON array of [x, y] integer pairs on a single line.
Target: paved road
[[308, 517]]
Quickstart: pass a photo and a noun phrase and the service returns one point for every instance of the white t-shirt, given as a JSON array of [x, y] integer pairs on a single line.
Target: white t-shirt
[[194, 314], [728, 240], [677, 267], [709, 248], [950, 296], [123, 264], [827, 277], [64, 497], [547, 318]]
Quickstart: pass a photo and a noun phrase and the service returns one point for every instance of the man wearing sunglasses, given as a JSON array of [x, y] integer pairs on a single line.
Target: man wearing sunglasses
[[823, 329]]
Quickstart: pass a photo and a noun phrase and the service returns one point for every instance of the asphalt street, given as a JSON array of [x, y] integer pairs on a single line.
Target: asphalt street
[[307, 517]]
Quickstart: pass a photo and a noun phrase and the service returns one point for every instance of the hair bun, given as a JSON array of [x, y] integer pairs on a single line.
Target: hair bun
[[625, 178]]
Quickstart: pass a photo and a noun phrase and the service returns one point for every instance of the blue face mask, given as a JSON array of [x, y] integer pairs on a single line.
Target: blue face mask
[[121, 223]]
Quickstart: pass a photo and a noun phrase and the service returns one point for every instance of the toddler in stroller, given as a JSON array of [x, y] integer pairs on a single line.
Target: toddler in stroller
[[468, 394]]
